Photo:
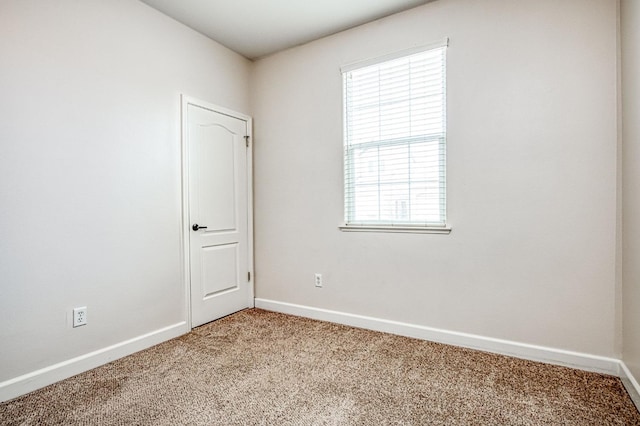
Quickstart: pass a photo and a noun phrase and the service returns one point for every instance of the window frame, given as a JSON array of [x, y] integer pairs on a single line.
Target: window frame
[[393, 226]]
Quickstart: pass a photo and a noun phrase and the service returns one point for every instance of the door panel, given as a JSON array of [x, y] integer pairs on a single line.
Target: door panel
[[218, 203], [219, 269]]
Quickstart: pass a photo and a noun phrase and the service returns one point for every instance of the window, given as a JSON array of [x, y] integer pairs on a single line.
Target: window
[[395, 140]]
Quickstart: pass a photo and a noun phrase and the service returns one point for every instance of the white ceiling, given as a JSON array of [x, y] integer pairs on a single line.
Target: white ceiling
[[256, 28]]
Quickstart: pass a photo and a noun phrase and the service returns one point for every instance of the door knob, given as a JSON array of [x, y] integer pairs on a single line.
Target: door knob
[[195, 227]]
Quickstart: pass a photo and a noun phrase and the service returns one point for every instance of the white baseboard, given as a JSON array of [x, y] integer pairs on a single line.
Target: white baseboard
[[29, 382], [630, 383], [37, 379], [555, 356]]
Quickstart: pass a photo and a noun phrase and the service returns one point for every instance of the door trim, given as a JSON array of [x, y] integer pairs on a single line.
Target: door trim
[[185, 101]]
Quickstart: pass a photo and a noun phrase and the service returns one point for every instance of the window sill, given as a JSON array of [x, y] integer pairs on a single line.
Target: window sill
[[406, 229]]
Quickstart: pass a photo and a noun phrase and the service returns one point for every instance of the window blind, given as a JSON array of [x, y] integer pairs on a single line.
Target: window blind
[[394, 141]]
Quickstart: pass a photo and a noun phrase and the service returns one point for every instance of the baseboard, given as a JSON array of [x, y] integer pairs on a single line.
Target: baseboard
[[630, 383], [37, 379], [555, 356]]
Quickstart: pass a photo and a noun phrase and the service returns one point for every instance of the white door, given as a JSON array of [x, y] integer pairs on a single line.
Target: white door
[[218, 213]]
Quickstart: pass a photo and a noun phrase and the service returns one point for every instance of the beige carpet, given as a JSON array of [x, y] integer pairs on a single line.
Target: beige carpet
[[262, 368]]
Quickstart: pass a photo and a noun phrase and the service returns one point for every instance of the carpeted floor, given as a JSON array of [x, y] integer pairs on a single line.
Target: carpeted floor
[[263, 368]]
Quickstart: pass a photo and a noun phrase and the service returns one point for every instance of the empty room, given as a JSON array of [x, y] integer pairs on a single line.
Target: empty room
[[366, 212]]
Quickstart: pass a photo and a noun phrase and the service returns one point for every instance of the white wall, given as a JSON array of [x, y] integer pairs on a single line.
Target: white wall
[[531, 177], [630, 40], [90, 171]]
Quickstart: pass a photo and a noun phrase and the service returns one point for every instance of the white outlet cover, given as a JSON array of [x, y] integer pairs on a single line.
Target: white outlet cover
[[80, 316]]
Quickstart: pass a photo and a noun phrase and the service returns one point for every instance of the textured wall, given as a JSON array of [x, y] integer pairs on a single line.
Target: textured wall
[[630, 38], [90, 171], [531, 177]]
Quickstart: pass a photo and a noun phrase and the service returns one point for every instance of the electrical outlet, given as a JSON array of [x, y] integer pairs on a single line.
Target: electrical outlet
[[79, 316], [318, 280]]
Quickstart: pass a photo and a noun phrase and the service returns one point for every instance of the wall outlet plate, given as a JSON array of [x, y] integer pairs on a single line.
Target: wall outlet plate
[[79, 316], [318, 280]]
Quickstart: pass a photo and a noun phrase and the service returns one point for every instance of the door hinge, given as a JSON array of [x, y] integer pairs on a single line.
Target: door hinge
[[248, 276], [246, 140]]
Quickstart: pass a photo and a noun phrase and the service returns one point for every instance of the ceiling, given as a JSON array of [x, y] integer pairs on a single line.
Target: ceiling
[[256, 28]]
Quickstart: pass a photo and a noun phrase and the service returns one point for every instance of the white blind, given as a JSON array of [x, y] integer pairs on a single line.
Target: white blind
[[395, 135]]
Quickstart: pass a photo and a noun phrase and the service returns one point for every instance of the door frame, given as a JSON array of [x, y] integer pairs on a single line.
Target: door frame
[[185, 101]]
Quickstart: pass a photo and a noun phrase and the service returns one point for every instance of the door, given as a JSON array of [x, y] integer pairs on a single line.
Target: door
[[217, 164]]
